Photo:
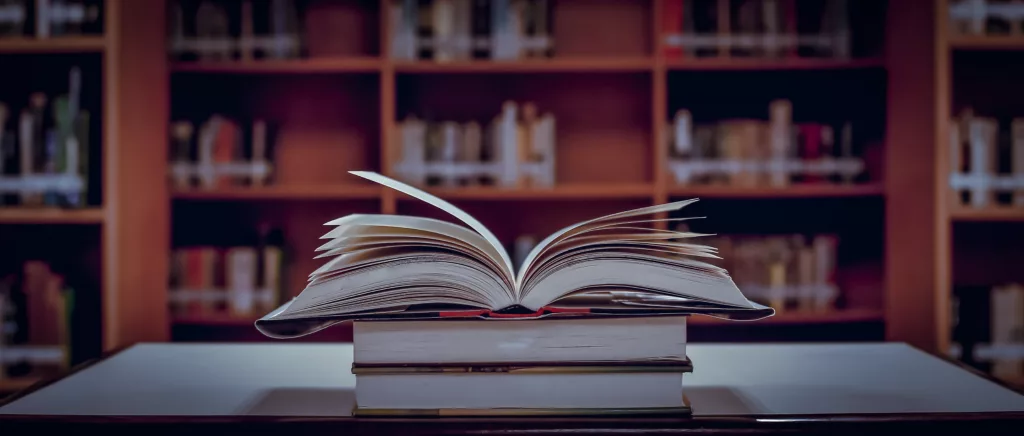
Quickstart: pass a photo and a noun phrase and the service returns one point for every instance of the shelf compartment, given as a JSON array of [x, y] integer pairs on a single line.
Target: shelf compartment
[[984, 42], [75, 44], [792, 191], [755, 64], [1008, 214], [24, 215]]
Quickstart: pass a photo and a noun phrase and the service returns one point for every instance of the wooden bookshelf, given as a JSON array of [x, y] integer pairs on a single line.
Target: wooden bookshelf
[[1001, 214], [965, 42], [15, 384], [74, 44], [556, 65], [844, 316], [297, 66], [562, 192], [213, 321], [284, 192], [793, 191], [746, 64], [12, 215]]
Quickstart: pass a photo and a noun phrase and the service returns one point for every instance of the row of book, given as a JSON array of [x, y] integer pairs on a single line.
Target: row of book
[[451, 30], [36, 307], [1001, 351], [515, 149], [223, 153], [44, 149], [756, 28], [785, 272], [239, 281], [748, 152], [50, 18], [208, 30], [986, 161], [985, 17]]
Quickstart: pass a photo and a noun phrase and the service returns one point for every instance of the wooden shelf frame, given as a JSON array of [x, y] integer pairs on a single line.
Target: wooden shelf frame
[[655, 188], [19, 215], [838, 316], [70, 44]]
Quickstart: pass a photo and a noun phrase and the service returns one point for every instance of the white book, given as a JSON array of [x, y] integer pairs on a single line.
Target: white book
[[394, 266], [1017, 152]]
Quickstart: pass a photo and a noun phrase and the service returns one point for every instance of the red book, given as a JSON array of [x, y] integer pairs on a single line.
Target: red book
[[672, 24], [810, 148]]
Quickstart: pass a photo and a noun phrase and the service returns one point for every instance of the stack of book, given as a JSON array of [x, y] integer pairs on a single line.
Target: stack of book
[[237, 282], [46, 18], [755, 28], [984, 17], [223, 153], [516, 149], [44, 149], [217, 30], [986, 162], [994, 343], [36, 308], [453, 30], [748, 152], [592, 322]]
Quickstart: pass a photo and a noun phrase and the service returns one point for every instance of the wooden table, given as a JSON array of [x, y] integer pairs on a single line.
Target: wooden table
[[300, 388]]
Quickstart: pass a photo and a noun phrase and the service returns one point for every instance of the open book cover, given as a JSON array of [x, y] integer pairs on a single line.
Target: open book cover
[[389, 267]]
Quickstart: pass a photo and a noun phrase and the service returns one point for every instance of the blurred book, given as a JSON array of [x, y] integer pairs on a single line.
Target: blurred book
[[986, 17], [222, 153], [36, 309], [220, 30], [986, 161], [757, 153], [50, 18], [516, 149]]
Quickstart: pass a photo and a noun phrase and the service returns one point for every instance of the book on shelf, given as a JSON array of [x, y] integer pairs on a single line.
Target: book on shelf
[[36, 310], [44, 149], [516, 149], [1007, 330], [461, 30], [235, 281], [217, 30], [985, 18], [986, 161], [50, 18], [221, 153], [751, 152], [402, 267]]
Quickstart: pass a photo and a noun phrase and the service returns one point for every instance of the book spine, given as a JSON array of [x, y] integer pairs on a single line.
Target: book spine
[[240, 265], [273, 263], [1017, 155], [26, 151], [463, 30], [444, 29], [43, 18], [425, 32], [781, 126], [983, 147], [672, 25], [682, 144], [811, 148], [508, 145], [260, 157]]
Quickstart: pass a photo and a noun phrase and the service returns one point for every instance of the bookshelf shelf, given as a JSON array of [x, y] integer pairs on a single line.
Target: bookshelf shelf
[[556, 65], [51, 216], [986, 42], [298, 66], [844, 316], [284, 192], [75, 44], [753, 64], [795, 191], [993, 214], [10, 385], [565, 192], [213, 321]]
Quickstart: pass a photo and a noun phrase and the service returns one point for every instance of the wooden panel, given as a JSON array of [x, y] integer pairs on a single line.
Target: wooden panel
[[297, 66], [795, 191], [602, 28], [135, 231], [50, 216], [754, 64], [55, 45], [603, 121], [285, 192], [911, 208], [553, 65], [342, 28], [325, 124]]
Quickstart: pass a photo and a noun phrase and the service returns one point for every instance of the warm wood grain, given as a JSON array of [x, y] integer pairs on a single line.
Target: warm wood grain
[[753, 64], [284, 192], [297, 66], [992, 214], [11, 215], [659, 116], [135, 233], [553, 65], [942, 259], [563, 192], [213, 321], [76, 44], [794, 191], [911, 211], [971, 42], [843, 316], [8, 385]]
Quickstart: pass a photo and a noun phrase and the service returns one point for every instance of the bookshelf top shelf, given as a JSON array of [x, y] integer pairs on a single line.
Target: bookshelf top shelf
[[844, 316], [284, 192], [972, 42], [293, 66], [993, 214], [756, 64], [71, 44], [16, 215], [554, 65], [563, 192], [793, 191]]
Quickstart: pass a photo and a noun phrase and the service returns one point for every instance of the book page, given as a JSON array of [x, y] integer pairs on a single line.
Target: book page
[[447, 207]]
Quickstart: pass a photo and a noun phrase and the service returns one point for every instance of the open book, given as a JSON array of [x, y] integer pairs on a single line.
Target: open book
[[405, 267]]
